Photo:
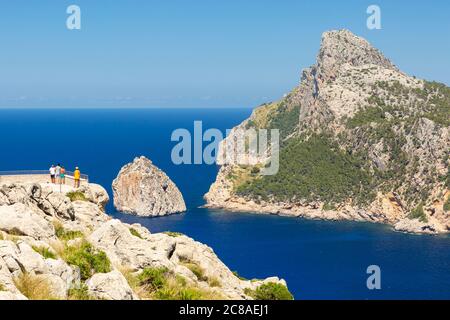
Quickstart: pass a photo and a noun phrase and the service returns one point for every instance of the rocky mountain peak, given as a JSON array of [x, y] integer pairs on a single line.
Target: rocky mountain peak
[[341, 47]]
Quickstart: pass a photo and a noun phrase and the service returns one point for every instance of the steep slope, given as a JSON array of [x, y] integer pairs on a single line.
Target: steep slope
[[360, 140], [58, 246]]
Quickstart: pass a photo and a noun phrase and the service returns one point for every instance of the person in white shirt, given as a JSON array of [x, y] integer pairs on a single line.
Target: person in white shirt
[[58, 173], [52, 173]]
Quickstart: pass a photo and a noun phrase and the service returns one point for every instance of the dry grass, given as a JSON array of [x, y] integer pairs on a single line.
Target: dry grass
[[162, 284], [34, 287], [133, 280], [9, 237]]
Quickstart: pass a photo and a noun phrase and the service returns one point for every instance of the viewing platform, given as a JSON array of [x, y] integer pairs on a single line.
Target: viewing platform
[[41, 177]]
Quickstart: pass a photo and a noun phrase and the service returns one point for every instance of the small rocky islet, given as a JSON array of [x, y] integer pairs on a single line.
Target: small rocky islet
[[143, 189]]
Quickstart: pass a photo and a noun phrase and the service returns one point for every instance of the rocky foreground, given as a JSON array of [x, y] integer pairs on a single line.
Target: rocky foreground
[[144, 190], [360, 140], [64, 246]]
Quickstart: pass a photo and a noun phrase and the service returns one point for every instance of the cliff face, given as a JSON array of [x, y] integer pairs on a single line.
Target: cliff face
[[143, 189], [360, 140], [58, 246]]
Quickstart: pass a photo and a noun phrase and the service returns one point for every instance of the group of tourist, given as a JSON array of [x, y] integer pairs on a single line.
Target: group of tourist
[[58, 175]]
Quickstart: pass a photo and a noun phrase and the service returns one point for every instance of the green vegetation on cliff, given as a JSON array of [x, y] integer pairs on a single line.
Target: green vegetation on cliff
[[270, 291], [281, 115], [163, 284], [313, 169], [88, 259], [418, 213]]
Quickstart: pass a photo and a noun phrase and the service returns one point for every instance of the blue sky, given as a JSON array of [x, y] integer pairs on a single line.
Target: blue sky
[[196, 53]]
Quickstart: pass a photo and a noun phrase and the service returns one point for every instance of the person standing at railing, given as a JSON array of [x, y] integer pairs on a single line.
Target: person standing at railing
[[52, 173], [62, 176], [77, 177], [58, 173]]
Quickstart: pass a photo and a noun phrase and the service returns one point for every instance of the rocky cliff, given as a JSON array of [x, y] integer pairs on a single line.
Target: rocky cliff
[[360, 140], [64, 246], [143, 189]]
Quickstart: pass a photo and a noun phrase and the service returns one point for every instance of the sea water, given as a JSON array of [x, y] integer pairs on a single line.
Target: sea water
[[318, 259]]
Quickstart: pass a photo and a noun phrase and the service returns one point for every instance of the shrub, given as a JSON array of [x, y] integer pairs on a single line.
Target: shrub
[[2, 287], [195, 268], [34, 287], [418, 213], [45, 252], [88, 259], [214, 282], [255, 170], [76, 196], [366, 116], [314, 170], [80, 293], [328, 207], [162, 284], [166, 294], [238, 275], [447, 205], [64, 234], [189, 294], [153, 278], [173, 234], [270, 291], [135, 233]]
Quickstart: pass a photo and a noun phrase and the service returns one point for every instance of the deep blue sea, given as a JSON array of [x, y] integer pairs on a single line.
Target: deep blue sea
[[319, 260]]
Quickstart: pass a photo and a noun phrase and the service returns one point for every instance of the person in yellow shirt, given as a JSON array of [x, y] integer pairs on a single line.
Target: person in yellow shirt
[[76, 177]]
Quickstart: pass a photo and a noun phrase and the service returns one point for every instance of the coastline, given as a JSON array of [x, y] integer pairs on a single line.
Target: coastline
[[315, 212]]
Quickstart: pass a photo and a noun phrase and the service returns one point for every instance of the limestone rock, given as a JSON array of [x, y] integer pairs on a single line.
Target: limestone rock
[[128, 250], [21, 220], [26, 215], [110, 286], [415, 226], [88, 215], [61, 205], [356, 99], [143, 189], [96, 194], [6, 295]]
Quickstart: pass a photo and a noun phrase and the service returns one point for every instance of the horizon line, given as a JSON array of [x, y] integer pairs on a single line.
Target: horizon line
[[120, 107]]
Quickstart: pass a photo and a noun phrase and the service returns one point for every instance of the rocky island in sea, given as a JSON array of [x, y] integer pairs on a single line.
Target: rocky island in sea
[[360, 140], [64, 246], [144, 190]]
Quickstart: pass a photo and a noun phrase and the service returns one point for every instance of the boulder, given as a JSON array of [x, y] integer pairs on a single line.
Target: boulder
[[126, 249], [143, 189], [88, 215], [110, 286], [57, 286], [18, 219], [61, 205], [96, 194], [21, 257]]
